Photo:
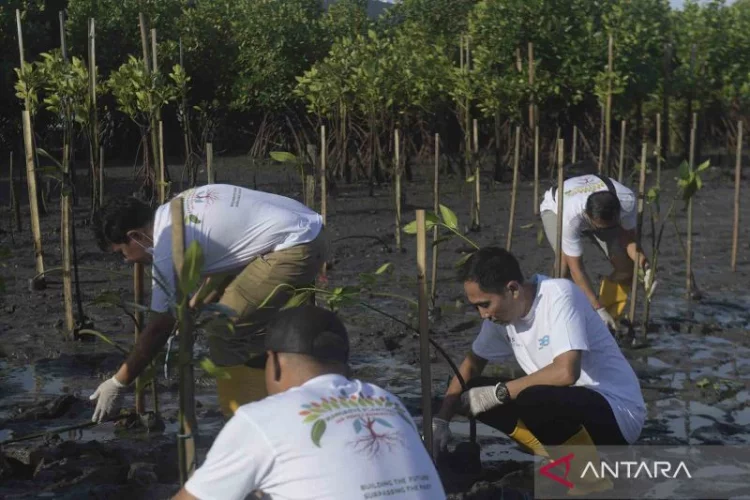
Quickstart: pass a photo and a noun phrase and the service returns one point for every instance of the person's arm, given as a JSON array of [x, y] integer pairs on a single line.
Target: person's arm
[[628, 241], [580, 278], [152, 339], [471, 367], [563, 371], [183, 494]]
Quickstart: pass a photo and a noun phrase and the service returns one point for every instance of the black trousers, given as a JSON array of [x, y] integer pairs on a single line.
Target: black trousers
[[554, 414]]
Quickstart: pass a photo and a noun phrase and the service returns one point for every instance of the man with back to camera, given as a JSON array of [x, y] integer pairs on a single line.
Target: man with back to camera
[[319, 434], [578, 389], [253, 242], [606, 212]]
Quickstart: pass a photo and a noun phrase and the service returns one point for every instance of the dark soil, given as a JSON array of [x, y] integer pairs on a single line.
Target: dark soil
[[694, 367]]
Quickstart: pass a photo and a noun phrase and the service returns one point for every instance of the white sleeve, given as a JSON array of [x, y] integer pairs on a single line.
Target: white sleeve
[[566, 318], [491, 343], [571, 237], [163, 293], [236, 464]]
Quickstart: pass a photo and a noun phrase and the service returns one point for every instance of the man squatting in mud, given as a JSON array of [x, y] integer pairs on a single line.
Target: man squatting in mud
[[252, 242], [578, 390], [605, 211]]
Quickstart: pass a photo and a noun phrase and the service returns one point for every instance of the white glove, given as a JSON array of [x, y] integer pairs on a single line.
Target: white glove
[[109, 395], [441, 434], [607, 318], [479, 400], [649, 284]]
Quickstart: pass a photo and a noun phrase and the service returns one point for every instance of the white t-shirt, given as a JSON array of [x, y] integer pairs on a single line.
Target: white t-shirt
[[560, 320], [331, 438], [233, 225], [577, 191]]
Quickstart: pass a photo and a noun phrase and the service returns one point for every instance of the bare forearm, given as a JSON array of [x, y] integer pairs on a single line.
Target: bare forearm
[[559, 376], [471, 367], [636, 254], [581, 279], [151, 340]]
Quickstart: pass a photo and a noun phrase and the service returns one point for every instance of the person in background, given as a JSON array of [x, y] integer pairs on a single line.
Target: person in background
[[256, 246], [605, 211], [579, 389], [320, 434]]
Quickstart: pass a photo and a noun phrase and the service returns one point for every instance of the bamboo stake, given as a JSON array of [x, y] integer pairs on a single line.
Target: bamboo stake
[[101, 175], [737, 176], [658, 149], [33, 203], [436, 209], [689, 253], [138, 276], [98, 190], [63, 44], [152, 122], [210, 162], [639, 233], [323, 186], [424, 332], [532, 106], [14, 202], [623, 127], [477, 171], [574, 146], [65, 209], [608, 118], [560, 196], [188, 424], [600, 164], [516, 159], [397, 179], [162, 167], [536, 170]]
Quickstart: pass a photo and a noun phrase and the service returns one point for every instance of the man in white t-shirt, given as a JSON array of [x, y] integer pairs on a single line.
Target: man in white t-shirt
[[605, 211], [257, 248], [319, 434], [578, 388]]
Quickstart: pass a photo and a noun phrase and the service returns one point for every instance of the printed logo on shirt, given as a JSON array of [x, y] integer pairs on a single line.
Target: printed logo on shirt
[[369, 419], [543, 342], [198, 196], [587, 187]]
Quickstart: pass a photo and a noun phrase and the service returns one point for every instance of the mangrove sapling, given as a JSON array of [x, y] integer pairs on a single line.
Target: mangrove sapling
[[446, 219]]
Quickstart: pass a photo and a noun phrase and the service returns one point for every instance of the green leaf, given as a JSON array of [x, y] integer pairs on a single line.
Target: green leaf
[[193, 218], [411, 228], [470, 179], [703, 382], [684, 170], [703, 166], [209, 367], [298, 299], [191, 268], [449, 218], [383, 268], [460, 262], [318, 429], [283, 156], [539, 237], [528, 226]]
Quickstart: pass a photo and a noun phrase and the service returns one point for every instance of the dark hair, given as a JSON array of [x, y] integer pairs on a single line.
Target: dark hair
[[492, 268], [308, 330], [116, 217], [603, 206]]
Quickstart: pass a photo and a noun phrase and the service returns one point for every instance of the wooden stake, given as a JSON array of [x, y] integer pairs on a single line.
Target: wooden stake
[[424, 332], [323, 187], [138, 274], [639, 233], [162, 167], [210, 162], [536, 170], [101, 175], [574, 146], [477, 171], [608, 118], [689, 256], [600, 164], [658, 149], [188, 424], [33, 203], [737, 176], [63, 45], [14, 202], [95, 162], [623, 126], [532, 113], [514, 189], [436, 209], [560, 196], [397, 181], [65, 209]]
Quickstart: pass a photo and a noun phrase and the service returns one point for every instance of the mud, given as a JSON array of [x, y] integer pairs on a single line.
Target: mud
[[694, 365]]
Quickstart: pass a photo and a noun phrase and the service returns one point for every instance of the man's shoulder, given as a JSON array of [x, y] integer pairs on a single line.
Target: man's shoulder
[[553, 288]]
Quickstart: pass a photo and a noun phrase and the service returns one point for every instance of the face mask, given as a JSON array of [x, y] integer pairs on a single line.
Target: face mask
[[148, 250]]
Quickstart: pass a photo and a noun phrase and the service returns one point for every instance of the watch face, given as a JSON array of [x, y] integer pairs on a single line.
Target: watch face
[[501, 392]]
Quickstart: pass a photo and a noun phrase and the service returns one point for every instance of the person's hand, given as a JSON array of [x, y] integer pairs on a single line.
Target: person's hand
[[607, 318], [109, 399], [479, 400], [649, 284], [441, 435]]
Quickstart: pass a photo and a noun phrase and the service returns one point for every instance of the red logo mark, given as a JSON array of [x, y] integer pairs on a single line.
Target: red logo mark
[[564, 479]]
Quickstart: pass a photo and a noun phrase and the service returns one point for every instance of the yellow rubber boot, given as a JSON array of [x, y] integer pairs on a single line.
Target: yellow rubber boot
[[584, 453], [244, 385], [522, 435], [613, 297]]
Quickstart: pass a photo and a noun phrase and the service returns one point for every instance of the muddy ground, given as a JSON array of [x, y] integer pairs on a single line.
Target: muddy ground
[[694, 367]]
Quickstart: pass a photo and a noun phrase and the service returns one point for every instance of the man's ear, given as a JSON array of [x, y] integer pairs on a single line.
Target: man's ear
[[513, 287]]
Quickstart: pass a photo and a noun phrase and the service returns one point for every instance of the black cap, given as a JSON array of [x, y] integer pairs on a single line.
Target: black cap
[[309, 330]]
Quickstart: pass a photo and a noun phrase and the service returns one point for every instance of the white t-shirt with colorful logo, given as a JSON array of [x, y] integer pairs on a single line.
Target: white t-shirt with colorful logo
[[577, 191], [562, 320], [233, 225], [331, 438]]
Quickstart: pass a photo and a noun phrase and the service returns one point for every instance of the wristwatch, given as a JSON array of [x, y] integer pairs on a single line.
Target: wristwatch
[[501, 393]]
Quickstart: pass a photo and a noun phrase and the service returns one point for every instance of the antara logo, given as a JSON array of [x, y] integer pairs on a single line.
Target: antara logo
[[625, 469]]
